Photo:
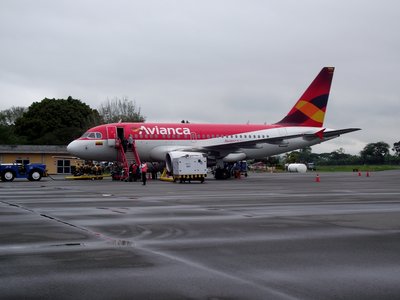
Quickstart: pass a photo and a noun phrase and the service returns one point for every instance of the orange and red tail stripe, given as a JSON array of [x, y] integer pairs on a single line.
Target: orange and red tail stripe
[[310, 109]]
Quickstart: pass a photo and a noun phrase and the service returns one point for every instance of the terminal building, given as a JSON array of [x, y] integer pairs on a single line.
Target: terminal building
[[56, 158]]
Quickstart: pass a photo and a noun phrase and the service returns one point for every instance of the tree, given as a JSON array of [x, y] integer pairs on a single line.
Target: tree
[[305, 155], [9, 116], [56, 122], [7, 128], [8, 136], [339, 157], [120, 110], [292, 157], [375, 153], [396, 148]]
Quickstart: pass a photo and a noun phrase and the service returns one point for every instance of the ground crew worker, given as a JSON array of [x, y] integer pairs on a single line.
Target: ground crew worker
[[134, 171], [125, 144], [130, 142], [137, 173], [143, 169], [154, 171]]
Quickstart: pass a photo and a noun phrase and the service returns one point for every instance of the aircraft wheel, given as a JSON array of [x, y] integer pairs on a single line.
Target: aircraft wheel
[[7, 175], [35, 175]]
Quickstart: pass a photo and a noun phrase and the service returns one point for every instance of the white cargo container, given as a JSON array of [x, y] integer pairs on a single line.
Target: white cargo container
[[187, 166]]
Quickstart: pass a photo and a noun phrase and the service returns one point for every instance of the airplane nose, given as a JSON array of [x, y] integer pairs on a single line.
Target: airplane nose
[[74, 148]]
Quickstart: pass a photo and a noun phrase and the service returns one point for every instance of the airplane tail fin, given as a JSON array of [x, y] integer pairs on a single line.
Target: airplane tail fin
[[310, 109]]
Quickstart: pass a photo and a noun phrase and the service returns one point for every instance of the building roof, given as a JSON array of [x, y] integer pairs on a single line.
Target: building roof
[[34, 149]]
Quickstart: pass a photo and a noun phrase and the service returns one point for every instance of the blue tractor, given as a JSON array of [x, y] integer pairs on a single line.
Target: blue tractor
[[32, 172]]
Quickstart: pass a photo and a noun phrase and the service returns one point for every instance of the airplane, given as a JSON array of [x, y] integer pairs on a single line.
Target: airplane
[[220, 143]]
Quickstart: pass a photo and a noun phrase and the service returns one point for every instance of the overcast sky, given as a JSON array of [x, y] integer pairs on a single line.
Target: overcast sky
[[209, 61]]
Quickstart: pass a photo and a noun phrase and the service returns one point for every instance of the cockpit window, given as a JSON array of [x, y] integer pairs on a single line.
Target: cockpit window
[[92, 135]]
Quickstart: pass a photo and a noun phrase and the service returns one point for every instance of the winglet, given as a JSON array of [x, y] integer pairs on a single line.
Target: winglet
[[310, 109]]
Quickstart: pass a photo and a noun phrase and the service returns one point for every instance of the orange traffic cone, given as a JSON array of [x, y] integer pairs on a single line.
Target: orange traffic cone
[[359, 173], [367, 174], [317, 178]]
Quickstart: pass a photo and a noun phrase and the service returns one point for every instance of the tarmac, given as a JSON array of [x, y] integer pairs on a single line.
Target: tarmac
[[267, 236]]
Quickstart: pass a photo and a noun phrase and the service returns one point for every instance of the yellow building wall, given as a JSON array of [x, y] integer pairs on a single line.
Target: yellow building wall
[[50, 160]]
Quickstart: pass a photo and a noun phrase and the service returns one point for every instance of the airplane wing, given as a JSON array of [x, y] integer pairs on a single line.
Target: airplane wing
[[336, 133], [254, 143], [251, 144]]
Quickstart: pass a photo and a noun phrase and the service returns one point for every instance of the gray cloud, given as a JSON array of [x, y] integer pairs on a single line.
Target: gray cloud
[[208, 61]]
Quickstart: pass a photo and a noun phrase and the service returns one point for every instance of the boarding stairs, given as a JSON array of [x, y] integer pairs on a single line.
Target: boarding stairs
[[126, 158]]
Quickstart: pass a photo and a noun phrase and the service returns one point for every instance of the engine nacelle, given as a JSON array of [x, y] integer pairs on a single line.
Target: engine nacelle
[[158, 153]]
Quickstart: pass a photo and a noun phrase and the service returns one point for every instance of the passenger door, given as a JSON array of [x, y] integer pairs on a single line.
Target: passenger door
[[111, 135]]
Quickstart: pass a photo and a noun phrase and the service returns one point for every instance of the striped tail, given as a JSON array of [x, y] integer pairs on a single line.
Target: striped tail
[[310, 109]]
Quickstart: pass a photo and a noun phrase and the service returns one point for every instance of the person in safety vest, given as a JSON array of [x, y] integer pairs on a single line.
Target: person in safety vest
[[143, 169]]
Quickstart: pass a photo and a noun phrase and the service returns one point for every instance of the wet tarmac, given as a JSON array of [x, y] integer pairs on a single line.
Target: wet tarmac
[[268, 236]]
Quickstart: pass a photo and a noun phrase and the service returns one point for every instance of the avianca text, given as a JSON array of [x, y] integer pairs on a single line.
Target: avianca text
[[164, 130]]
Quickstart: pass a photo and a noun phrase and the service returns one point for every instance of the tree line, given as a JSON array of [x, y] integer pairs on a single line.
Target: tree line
[[372, 154], [59, 121]]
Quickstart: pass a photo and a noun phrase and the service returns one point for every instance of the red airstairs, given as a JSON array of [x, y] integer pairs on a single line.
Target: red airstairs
[[126, 158]]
